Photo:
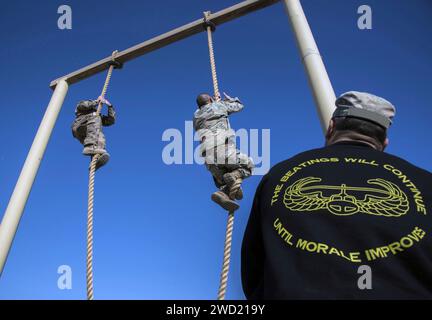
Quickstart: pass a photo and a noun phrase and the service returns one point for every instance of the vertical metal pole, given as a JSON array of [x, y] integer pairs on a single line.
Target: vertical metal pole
[[317, 75], [18, 200]]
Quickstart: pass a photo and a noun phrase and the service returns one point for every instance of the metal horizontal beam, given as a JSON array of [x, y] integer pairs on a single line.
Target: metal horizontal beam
[[165, 39]]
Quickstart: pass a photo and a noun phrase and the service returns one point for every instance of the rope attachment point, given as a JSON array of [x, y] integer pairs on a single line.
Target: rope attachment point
[[208, 23], [114, 63]]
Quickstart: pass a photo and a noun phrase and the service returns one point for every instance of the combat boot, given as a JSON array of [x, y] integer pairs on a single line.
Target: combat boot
[[222, 199], [238, 195], [101, 161], [91, 150], [230, 179], [232, 176]]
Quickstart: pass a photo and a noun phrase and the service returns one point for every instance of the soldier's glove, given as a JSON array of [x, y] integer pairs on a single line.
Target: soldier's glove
[[227, 97], [104, 101]]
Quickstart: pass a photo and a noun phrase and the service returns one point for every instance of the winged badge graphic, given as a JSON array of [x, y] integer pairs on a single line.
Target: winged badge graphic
[[380, 198]]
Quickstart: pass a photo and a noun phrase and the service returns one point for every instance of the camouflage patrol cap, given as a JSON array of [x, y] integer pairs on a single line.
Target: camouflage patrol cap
[[87, 103], [86, 106], [365, 106]]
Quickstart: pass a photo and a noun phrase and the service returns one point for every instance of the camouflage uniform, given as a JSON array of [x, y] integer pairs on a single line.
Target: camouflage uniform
[[87, 127], [218, 145]]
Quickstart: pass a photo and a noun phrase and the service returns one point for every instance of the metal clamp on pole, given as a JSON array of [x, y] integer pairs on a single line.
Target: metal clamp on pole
[[208, 23], [114, 63]]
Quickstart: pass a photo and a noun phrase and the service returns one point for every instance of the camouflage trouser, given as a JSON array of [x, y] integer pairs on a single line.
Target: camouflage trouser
[[231, 160], [88, 130]]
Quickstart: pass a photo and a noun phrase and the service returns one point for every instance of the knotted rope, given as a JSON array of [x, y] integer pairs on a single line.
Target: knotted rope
[[89, 261]]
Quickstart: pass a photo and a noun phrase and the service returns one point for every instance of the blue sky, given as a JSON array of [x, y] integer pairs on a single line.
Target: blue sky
[[157, 233]]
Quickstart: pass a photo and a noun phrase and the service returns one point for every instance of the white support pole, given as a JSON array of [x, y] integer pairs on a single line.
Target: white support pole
[[17, 202], [317, 75]]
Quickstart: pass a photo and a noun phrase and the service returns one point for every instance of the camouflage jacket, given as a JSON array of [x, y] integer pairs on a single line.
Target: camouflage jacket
[[212, 120], [88, 107]]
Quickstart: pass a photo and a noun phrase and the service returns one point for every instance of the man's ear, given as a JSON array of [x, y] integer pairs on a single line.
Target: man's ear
[[330, 130], [386, 142]]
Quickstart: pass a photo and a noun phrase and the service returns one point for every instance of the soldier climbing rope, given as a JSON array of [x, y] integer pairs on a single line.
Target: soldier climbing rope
[[89, 262], [210, 27]]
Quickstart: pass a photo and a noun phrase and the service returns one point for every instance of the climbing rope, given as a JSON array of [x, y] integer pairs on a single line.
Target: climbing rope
[[89, 261], [228, 241], [227, 257], [210, 27]]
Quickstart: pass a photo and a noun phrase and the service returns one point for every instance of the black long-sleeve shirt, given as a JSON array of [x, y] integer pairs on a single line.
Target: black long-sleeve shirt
[[317, 217]]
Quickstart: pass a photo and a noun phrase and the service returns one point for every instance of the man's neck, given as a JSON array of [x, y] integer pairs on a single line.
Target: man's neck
[[355, 138]]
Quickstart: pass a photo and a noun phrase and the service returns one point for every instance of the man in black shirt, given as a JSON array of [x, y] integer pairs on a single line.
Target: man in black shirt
[[319, 216]]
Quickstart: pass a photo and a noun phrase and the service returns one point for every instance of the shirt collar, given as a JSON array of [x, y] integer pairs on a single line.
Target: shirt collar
[[352, 143]]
